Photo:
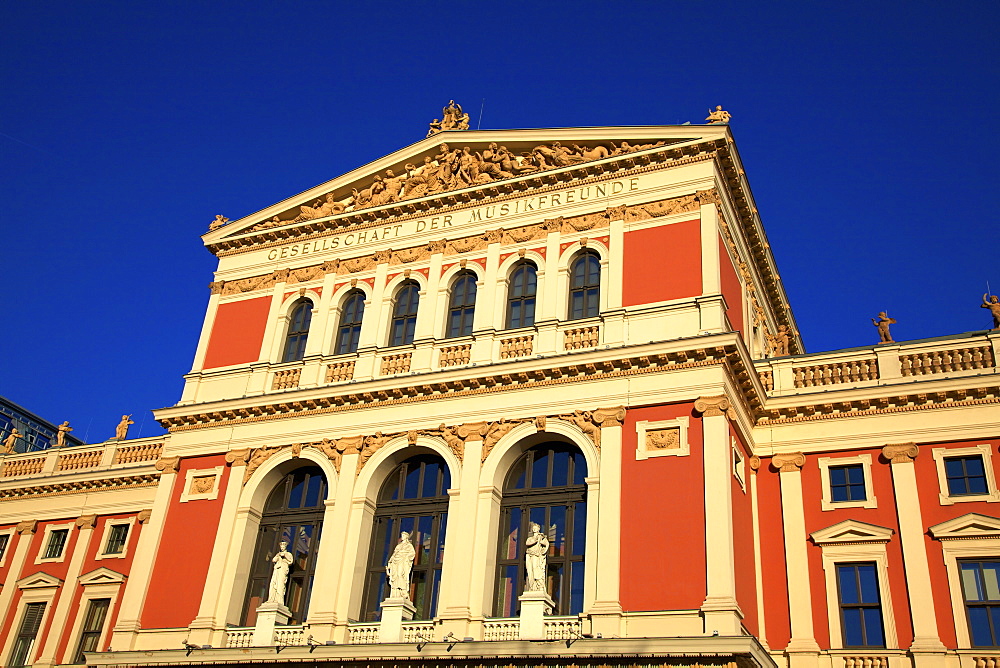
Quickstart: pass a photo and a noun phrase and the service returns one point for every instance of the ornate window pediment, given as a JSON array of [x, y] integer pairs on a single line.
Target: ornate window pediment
[[102, 576], [970, 525], [39, 580], [852, 531]]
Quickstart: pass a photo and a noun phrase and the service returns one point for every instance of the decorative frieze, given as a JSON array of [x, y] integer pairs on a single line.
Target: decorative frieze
[[900, 453], [788, 462], [77, 487]]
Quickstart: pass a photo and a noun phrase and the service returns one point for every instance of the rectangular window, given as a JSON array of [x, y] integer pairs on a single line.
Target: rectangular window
[[93, 626], [860, 605], [57, 541], [981, 590], [4, 540], [847, 483], [965, 475], [30, 623], [116, 539]]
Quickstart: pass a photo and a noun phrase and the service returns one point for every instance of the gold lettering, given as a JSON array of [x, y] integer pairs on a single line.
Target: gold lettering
[[284, 252], [569, 197], [349, 239], [273, 254], [421, 224], [633, 184], [617, 187], [601, 189], [555, 198], [504, 209]]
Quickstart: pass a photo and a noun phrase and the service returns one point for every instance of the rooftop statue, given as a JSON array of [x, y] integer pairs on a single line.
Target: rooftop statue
[[61, 432], [994, 306], [11, 441], [219, 221], [121, 431], [719, 116], [452, 118], [883, 323]]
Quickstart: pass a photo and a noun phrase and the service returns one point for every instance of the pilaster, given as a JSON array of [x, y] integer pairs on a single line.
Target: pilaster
[[606, 612], [455, 606], [758, 561], [24, 531]]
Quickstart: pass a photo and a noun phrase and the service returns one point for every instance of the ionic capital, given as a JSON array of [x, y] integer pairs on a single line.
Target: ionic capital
[[168, 464], [86, 521], [788, 462], [900, 453], [714, 406], [754, 463], [144, 515], [238, 457], [26, 527], [609, 417]]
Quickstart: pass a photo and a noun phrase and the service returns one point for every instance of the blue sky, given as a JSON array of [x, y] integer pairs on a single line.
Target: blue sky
[[865, 129]]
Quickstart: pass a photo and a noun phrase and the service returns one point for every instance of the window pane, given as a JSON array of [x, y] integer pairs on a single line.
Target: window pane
[[970, 582], [990, 581], [869, 584], [872, 620], [849, 593]]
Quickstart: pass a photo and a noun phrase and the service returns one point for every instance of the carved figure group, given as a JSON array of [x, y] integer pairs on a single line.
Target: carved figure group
[[399, 567], [993, 304], [279, 575], [719, 116], [121, 431], [535, 555], [882, 323], [452, 118], [781, 341], [219, 221]]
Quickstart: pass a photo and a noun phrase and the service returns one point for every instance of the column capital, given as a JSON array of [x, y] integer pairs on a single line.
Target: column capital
[[754, 463], [168, 464], [900, 453], [238, 457], [86, 521], [788, 462], [26, 527], [714, 406], [609, 417], [144, 515]]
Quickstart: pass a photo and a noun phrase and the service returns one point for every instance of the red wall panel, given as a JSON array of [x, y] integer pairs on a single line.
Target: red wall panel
[[663, 520], [743, 544], [662, 263], [237, 333], [185, 552], [772, 546], [732, 289]]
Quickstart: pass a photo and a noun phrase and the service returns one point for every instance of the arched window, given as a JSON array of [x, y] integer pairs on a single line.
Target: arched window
[[462, 306], [294, 514], [585, 286], [298, 331], [414, 498], [521, 295], [404, 314], [350, 323], [545, 486]]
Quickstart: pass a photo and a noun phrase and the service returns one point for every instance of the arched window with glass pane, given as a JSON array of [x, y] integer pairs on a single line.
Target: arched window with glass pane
[[404, 314], [293, 513], [585, 286], [546, 487], [521, 290], [298, 331], [462, 306], [414, 499], [349, 331]]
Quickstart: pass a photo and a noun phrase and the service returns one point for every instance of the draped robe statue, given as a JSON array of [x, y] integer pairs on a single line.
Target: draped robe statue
[[279, 576], [534, 559], [399, 567]]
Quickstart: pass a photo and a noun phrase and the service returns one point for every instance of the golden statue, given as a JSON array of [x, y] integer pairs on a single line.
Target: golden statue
[[719, 116]]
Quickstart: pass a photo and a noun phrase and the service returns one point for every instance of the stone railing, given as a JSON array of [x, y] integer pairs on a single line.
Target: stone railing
[[339, 372], [985, 661], [132, 454], [767, 379], [286, 379], [946, 361], [581, 337], [362, 634], [74, 460], [455, 355], [866, 661], [518, 346], [852, 371], [562, 628], [418, 632], [501, 629], [240, 637], [393, 364], [18, 467], [289, 636]]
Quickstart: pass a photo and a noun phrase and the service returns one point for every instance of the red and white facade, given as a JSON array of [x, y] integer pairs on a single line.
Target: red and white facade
[[715, 524]]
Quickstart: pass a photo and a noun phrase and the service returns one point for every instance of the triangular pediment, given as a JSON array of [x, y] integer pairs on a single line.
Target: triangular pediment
[[971, 525], [852, 531], [413, 178], [101, 576], [39, 580]]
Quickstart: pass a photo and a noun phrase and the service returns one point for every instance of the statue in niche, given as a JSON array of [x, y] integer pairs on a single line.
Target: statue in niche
[[399, 567], [994, 306], [719, 116], [61, 432], [882, 323], [535, 555], [11, 441], [121, 431], [279, 575]]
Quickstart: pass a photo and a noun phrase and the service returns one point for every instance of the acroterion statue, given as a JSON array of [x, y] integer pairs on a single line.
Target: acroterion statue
[[279, 576], [719, 116], [399, 567], [219, 221], [61, 432], [121, 431], [535, 555], [883, 323], [994, 306], [11, 440], [781, 341]]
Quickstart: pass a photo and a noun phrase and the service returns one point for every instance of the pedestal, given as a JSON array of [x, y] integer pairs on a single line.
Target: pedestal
[[269, 615], [535, 605], [395, 611]]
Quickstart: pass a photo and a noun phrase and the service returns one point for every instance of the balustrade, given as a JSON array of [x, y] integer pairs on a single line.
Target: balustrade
[[986, 661], [581, 337], [239, 637], [143, 452], [287, 379], [501, 629], [518, 346], [18, 467], [393, 364], [565, 628], [339, 371], [944, 361], [418, 632], [865, 661], [455, 355], [362, 634], [767, 379], [72, 461], [289, 635], [850, 371]]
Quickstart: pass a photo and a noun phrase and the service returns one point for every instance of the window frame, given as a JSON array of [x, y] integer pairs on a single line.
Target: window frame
[[827, 463], [466, 310], [353, 327], [99, 583], [844, 607], [299, 336], [77, 658], [521, 265], [404, 318], [46, 537], [16, 636], [984, 450], [5, 550], [102, 553], [585, 252]]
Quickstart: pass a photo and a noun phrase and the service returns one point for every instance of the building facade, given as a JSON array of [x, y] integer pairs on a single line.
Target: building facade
[[538, 399]]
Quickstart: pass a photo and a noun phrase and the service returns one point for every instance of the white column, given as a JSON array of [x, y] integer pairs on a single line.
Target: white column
[[24, 531], [60, 616], [720, 611], [616, 263], [270, 347], [206, 328], [324, 614], [551, 294], [454, 602], [711, 279], [124, 634], [802, 647], [927, 648], [606, 611], [758, 562]]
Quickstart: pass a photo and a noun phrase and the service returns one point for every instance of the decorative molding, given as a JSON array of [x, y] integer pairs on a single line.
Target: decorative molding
[[238, 457], [39, 580], [102, 576], [58, 489], [788, 462], [901, 403], [540, 423], [715, 406], [852, 531], [970, 525], [86, 521], [754, 463], [144, 515], [168, 464], [26, 527], [900, 453]]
